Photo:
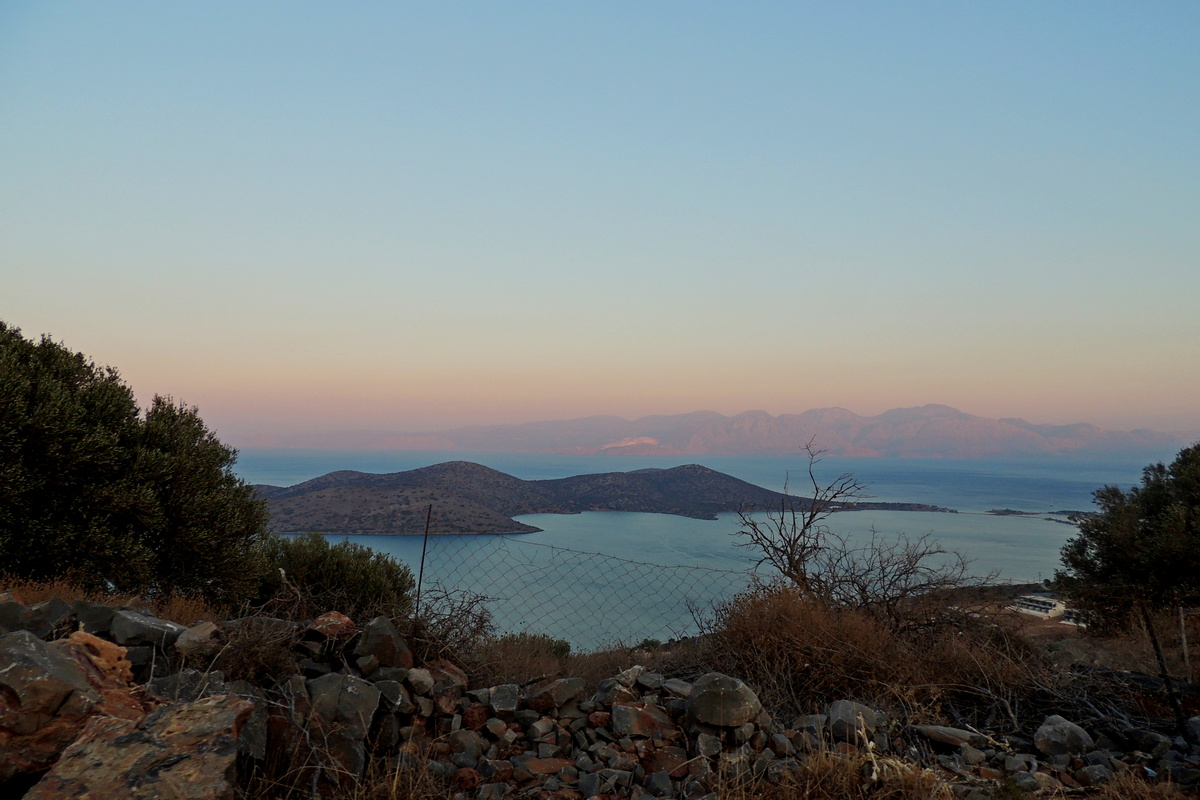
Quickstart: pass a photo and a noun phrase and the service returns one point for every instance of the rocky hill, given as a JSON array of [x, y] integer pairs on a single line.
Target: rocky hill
[[471, 498]]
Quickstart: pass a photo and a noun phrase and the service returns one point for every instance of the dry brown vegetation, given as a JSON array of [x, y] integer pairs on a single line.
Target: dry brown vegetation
[[799, 654], [1128, 787], [184, 610], [826, 776]]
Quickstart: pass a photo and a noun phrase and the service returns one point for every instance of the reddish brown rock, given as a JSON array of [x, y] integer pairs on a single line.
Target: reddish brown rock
[[542, 766], [334, 625], [502, 771], [554, 693], [640, 719], [184, 751], [467, 779], [49, 690], [542, 703], [672, 760], [109, 672], [475, 716], [599, 719]]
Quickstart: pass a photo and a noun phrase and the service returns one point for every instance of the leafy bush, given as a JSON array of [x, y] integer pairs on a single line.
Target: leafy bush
[[121, 502], [347, 577]]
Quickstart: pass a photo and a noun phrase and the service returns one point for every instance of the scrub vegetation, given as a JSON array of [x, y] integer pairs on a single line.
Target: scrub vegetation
[[102, 501]]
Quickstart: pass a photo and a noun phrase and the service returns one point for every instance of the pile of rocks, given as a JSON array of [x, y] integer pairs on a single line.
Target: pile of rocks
[[93, 699]]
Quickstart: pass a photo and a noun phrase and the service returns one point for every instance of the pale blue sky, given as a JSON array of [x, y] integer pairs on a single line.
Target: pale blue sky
[[308, 215]]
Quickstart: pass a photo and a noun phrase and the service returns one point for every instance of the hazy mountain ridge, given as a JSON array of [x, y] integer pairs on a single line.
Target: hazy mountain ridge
[[929, 431], [471, 498]]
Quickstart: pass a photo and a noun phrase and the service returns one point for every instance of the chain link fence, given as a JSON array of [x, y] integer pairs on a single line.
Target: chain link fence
[[591, 600]]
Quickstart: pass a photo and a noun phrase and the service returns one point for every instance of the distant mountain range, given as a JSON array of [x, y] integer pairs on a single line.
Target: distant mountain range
[[472, 498], [930, 431]]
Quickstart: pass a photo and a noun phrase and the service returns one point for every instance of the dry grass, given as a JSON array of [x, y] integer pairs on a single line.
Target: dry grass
[[1130, 787], [184, 610], [826, 776], [799, 654], [383, 779], [1131, 650], [517, 658]]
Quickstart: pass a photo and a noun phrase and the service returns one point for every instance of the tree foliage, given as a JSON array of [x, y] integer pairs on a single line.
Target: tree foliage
[[91, 487], [1141, 551]]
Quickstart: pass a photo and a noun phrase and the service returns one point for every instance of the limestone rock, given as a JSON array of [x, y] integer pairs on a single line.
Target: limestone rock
[[130, 627], [381, 639], [202, 640], [1057, 736], [718, 699], [556, 693], [846, 718], [505, 698], [184, 751], [955, 737], [612, 690], [344, 707]]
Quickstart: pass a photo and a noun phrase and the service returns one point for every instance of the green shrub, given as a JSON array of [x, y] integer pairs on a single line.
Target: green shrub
[[119, 501], [347, 577]]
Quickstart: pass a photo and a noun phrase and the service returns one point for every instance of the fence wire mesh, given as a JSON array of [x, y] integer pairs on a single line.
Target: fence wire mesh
[[591, 600]]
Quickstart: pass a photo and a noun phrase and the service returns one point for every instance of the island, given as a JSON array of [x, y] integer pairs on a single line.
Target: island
[[469, 498]]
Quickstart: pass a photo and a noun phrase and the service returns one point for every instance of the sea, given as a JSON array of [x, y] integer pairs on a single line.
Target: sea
[[601, 577]]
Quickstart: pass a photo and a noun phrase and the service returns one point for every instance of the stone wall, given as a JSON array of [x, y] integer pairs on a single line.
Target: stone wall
[[97, 700]]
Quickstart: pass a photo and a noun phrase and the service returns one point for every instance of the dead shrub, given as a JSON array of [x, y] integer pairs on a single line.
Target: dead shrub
[[258, 650], [451, 624], [799, 653]]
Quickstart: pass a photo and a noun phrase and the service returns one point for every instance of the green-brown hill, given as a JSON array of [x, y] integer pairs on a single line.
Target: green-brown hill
[[470, 498]]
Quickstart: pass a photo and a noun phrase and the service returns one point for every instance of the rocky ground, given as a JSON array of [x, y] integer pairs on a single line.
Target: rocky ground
[[102, 701]]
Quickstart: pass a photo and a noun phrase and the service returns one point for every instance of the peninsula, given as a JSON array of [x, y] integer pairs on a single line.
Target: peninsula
[[469, 498]]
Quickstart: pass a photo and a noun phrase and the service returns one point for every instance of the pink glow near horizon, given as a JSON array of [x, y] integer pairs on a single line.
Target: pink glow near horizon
[[404, 217]]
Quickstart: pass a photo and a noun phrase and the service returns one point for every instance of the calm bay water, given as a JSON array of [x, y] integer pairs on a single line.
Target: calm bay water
[[1020, 548], [619, 595]]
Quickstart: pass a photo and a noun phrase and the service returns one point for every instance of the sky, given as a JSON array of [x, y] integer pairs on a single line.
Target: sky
[[304, 216]]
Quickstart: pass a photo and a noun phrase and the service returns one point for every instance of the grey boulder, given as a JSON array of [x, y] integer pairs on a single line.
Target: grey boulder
[[718, 699], [1058, 736]]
